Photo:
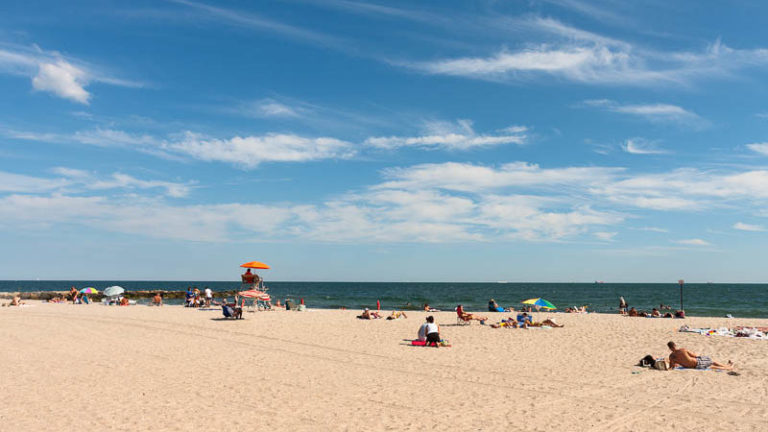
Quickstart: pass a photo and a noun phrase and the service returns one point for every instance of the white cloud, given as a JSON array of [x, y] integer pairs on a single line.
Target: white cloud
[[605, 236], [642, 147], [10, 182], [588, 58], [693, 242], [250, 151], [63, 79], [761, 148], [471, 177], [451, 136], [656, 112], [654, 229], [70, 180], [54, 73], [270, 108], [748, 227]]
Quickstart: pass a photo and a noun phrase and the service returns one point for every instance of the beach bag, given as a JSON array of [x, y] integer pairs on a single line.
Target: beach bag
[[647, 361]]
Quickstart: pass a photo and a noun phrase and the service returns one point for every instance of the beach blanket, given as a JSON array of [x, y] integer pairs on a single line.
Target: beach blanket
[[740, 332]]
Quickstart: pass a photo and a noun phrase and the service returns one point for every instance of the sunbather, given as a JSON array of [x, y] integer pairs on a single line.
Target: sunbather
[[396, 315], [466, 316], [16, 301], [367, 314], [508, 323], [547, 322], [687, 359]]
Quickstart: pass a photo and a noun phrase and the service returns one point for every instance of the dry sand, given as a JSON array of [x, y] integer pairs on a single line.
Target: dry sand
[[92, 367]]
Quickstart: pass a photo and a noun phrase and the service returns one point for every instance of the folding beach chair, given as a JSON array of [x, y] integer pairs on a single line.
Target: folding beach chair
[[460, 318]]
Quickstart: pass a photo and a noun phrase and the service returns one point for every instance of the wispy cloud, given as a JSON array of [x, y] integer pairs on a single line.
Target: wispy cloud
[[642, 146], [761, 148], [54, 73], [656, 112], [605, 236], [250, 151], [451, 136], [748, 227], [69, 180], [653, 229], [584, 57], [254, 21], [693, 242]]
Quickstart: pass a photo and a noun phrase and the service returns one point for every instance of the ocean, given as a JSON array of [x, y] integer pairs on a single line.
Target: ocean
[[710, 299]]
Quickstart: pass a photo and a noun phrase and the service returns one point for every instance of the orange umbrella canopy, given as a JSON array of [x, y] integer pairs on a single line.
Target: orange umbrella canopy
[[255, 265]]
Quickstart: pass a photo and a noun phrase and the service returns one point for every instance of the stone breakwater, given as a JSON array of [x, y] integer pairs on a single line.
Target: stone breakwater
[[48, 295]]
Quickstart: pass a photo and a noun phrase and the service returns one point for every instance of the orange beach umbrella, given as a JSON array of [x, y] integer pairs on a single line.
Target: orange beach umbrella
[[255, 265]]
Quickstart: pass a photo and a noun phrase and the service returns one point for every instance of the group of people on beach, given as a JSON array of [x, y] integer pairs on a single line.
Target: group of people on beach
[[624, 309], [194, 298]]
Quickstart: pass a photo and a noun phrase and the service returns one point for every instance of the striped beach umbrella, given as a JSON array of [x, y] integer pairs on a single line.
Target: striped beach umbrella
[[540, 302]]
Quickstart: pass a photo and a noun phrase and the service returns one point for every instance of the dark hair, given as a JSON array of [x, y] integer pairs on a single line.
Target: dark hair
[[671, 345], [430, 319]]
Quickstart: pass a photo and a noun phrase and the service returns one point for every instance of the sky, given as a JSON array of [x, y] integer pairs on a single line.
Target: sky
[[340, 140]]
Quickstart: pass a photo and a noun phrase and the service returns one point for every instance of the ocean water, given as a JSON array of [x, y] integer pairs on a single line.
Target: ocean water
[[740, 300]]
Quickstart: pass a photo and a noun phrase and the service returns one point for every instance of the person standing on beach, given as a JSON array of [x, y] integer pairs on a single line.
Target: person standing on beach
[[208, 297], [73, 294], [622, 305]]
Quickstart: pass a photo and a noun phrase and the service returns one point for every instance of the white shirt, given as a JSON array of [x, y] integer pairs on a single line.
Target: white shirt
[[208, 293], [423, 332], [432, 328]]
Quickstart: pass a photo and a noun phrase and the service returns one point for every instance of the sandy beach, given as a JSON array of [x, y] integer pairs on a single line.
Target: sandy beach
[[94, 367]]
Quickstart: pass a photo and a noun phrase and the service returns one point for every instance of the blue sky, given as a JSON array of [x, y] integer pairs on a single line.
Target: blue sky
[[552, 140]]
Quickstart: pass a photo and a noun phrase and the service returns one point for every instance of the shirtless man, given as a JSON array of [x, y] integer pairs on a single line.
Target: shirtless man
[[687, 359]]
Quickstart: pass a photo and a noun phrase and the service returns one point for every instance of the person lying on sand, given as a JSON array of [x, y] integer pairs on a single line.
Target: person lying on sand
[[508, 323], [687, 359], [396, 315], [547, 322], [367, 314]]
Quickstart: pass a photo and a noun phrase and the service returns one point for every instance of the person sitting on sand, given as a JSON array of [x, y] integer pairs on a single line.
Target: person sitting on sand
[[157, 300], [367, 314], [16, 301], [124, 301], [687, 359], [655, 313], [422, 335], [633, 312], [73, 294], [433, 332], [396, 315], [466, 316]]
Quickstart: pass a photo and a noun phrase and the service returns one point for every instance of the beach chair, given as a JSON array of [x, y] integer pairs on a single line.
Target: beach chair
[[460, 318], [229, 312]]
